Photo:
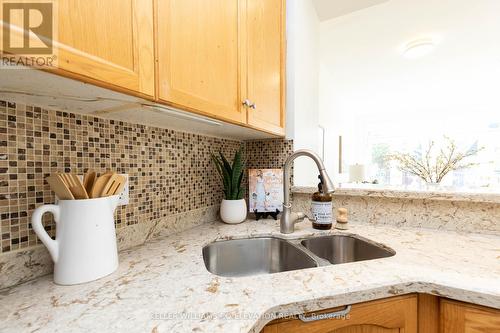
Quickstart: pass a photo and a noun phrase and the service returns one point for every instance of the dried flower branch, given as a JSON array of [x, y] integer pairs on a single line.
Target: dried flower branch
[[432, 167]]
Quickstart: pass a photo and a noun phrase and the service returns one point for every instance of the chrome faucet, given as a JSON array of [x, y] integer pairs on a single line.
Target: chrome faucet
[[288, 219]]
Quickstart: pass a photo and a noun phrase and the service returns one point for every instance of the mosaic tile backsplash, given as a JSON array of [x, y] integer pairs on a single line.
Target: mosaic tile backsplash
[[170, 172], [267, 154]]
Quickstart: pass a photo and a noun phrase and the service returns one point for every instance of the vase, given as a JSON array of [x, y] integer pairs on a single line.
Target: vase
[[233, 211], [85, 246]]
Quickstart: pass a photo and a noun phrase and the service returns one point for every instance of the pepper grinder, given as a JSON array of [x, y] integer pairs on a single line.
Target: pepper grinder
[[341, 219]]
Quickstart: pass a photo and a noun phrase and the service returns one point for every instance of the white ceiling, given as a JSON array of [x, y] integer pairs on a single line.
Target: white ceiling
[[364, 66], [328, 9]]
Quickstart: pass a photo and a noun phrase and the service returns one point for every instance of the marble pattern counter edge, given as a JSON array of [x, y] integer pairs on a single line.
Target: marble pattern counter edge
[[483, 197], [167, 276], [23, 265]]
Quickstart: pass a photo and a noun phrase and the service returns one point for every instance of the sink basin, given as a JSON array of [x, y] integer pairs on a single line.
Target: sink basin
[[251, 256], [339, 249], [267, 255]]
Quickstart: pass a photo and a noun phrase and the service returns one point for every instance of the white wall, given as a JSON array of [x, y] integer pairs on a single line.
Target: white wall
[[302, 85], [364, 76]]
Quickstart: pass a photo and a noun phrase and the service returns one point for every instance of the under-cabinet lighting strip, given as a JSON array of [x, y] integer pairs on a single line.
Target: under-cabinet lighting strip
[[180, 114]]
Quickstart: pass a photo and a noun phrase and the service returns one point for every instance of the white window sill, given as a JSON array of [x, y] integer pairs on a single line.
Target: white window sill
[[401, 192]]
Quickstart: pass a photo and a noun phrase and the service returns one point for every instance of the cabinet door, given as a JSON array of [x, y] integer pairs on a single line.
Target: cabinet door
[[265, 64], [109, 41], [457, 317], [198, 56], [393, 315]]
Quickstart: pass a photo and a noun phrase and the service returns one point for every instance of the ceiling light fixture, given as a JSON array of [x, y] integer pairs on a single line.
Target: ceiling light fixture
[[418, 48]]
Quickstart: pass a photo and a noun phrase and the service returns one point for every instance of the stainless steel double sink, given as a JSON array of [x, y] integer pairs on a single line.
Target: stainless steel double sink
[[267, 255]]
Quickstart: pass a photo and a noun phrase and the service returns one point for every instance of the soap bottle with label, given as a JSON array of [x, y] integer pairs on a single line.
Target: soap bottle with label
[[321, 209]]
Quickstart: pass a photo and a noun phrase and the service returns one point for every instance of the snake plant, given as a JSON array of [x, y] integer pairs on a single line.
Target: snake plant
[[231, 174]]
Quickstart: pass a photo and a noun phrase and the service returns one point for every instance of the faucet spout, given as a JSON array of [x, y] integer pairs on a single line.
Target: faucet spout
[[288, 221], [327, 182]]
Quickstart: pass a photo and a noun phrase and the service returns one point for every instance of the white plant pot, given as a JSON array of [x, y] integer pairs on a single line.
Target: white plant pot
[[233, 211]]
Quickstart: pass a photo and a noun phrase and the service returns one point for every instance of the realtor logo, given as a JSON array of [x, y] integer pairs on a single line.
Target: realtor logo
[[28, 32], [35, 19]]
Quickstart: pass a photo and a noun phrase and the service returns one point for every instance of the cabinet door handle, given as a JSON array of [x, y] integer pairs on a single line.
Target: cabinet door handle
[[322, 316], [248, 104]]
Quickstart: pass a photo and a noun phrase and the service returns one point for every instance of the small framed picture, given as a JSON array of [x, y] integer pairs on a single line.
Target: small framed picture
[[265, 190]]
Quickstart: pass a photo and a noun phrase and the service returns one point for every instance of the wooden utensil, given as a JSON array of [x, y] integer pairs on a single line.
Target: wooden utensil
[[89, 180], [59, 187], [99, 184], [75, 185], [114, 186]]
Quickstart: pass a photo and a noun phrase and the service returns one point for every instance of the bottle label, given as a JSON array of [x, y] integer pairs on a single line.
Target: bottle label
[[322, 212]]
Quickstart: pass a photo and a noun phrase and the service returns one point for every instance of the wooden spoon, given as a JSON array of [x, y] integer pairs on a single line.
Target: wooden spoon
[[59, 187], [114, 186], [89, 180], [99, 184], [75, 185]]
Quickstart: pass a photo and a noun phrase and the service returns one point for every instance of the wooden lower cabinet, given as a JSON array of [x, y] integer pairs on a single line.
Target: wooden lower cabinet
[[392, 315], [458, 317], [402, 314], [428, 313]]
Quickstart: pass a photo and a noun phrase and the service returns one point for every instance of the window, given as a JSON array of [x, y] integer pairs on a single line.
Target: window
[[382, 101]]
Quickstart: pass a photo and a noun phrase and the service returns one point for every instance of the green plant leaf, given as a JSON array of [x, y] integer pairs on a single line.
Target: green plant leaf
[[237, 172], [218, 165], [223, 175], [239, 195], [227, 188], [231, 175], [226, 180], [227, 172], [240, 188], [225, 163]]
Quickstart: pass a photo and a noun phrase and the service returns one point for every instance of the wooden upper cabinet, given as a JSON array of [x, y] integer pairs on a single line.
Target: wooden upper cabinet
[[199, 56], [110, 41], [220, 58], [213, 55], [457, 317], [106, 42], [392, 315], [265, 32]]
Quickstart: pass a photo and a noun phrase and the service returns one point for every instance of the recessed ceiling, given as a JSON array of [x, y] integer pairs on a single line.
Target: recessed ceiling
[[329, 9]]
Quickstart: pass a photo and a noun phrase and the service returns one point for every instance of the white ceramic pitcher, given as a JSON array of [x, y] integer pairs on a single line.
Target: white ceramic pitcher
[[85, 245]]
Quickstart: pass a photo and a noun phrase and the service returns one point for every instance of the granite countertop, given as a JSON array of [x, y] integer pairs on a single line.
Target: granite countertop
[[430, 193], [163, 286]]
